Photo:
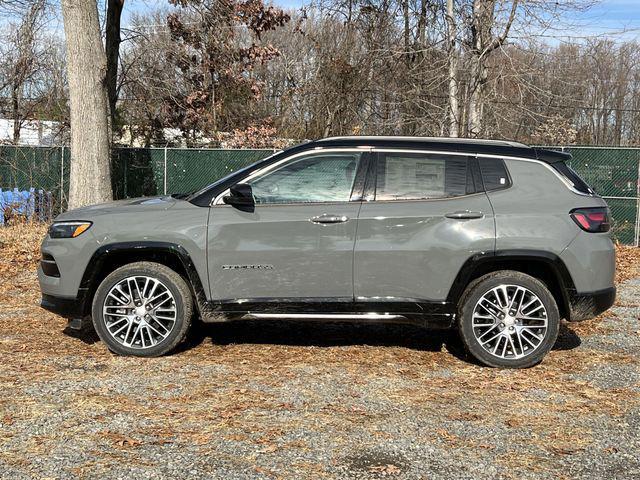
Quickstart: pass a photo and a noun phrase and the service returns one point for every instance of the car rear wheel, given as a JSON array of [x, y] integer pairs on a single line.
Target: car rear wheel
[[142, 309], [508, 319]]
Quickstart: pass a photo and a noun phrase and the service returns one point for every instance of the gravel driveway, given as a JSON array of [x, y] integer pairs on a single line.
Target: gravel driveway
[[288, 400]]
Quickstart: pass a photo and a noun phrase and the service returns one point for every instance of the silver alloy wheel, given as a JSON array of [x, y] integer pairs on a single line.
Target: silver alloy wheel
[[139, 312], [509, 321]]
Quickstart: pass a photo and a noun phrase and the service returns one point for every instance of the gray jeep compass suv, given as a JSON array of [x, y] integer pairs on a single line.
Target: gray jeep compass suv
[[496, 239]]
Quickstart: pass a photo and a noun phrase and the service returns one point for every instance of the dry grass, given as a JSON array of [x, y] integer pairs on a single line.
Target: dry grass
[[20, 248], [252, 406], [627, 263]]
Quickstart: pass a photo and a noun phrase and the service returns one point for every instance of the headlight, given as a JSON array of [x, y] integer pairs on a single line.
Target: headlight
[[68, 229]]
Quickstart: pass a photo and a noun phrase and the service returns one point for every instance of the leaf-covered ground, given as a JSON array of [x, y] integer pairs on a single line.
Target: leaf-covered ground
[[295, 400]]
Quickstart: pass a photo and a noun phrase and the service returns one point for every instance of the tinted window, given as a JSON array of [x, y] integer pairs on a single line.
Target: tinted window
[[567, 172], [413, 176], [324, 177], [494, 173]]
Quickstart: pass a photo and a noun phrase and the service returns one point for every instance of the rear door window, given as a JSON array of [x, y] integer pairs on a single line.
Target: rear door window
[[418, 176]]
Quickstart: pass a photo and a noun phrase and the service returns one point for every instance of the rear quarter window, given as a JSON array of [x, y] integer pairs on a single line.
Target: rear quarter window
[[573, 178]]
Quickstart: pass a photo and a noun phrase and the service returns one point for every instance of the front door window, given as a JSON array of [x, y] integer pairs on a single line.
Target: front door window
[[324, 177]]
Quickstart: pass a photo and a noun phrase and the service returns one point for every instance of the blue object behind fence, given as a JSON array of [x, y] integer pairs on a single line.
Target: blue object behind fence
[[31, 204]]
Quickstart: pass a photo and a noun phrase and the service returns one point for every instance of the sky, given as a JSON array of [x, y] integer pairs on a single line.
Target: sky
[[610, 16], [618, 19]]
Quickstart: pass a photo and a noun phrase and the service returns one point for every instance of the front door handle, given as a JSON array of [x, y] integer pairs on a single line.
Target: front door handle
[[326, 218], [464, 215]]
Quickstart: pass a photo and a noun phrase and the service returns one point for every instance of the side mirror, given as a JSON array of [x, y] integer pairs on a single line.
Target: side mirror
[[240, 196]]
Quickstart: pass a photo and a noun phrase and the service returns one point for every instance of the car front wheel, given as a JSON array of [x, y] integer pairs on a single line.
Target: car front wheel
[[508, 319], [142, 309]]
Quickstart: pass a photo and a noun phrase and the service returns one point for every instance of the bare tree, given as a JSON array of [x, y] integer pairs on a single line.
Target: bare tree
[[483, 42], [86, 67], [416, 67], [22, 62], [13, 6]]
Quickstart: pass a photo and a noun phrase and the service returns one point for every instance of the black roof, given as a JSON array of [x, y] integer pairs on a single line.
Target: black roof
[[462, 145]]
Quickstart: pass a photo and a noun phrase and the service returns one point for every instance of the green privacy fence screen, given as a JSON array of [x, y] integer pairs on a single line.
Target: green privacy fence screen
[[612, 172]]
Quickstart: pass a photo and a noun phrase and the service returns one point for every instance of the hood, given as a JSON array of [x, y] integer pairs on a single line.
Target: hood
[[130, 205]]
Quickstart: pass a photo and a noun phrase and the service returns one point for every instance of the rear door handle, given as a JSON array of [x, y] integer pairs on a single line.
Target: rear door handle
[[326, 218], [464, 215]]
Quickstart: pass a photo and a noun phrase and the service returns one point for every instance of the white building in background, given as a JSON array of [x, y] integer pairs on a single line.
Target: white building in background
[[33, 132]]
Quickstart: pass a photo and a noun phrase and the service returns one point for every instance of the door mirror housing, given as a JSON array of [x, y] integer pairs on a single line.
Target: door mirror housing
[[241, 197]]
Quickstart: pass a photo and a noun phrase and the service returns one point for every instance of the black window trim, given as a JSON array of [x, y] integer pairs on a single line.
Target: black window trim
[[209, 194], [369, 189], [477, 174]]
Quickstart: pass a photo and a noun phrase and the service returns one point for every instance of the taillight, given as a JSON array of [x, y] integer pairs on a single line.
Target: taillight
[[592, 219]]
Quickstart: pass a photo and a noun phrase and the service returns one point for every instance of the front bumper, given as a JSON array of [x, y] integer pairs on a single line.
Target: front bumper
[[66, 307], [583, 306]]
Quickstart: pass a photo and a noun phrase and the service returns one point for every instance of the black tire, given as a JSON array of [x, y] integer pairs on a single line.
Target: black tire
[[183, 301], [475, 292]]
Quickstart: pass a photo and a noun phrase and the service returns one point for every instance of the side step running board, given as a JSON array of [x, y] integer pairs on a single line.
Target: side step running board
[[325, 316]]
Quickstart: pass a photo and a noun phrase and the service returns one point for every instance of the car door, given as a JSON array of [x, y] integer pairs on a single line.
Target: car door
[[426, 214], [298, 241]]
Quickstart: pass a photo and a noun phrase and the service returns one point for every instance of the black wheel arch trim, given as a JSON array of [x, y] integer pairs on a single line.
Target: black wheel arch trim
[[101, 255], [480, 260]]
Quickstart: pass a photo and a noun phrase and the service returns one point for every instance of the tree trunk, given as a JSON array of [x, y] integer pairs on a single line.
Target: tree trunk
[[112, 40], [406, 29], [86, 70], [452, 59], [622, 82], [482, 22], [422, 28], [15, 112], [329, 122], [476, 97]]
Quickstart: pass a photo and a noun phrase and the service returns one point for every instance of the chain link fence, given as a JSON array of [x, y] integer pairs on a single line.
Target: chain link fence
[[612, 172], [136, 172], [45, 168], [151, 171]]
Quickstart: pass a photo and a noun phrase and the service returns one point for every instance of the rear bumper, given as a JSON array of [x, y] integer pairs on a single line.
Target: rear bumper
[[64, 306], [583, 306]]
